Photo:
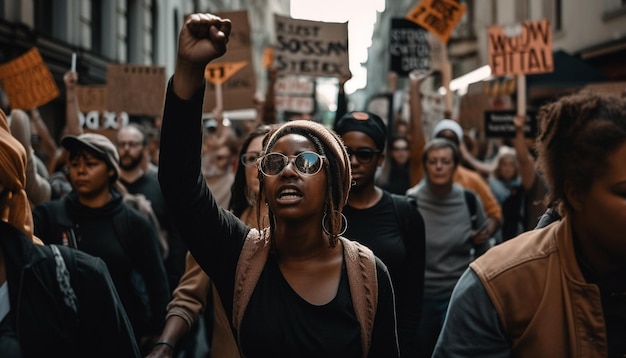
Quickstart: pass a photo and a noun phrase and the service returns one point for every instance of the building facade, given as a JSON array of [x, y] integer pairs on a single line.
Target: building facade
[[103, 32]]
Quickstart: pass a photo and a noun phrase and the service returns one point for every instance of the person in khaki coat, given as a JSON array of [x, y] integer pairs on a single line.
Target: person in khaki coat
[[558, 291]]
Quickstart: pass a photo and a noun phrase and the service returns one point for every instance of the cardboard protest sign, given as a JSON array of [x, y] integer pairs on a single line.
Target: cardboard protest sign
[[311, 48], [218, 73], [473, 106], [499, 124], [524, 48], [92, 97], [27, 81], [438, 16], [239, 89], [295, 94], [408, 47], [136, 89]]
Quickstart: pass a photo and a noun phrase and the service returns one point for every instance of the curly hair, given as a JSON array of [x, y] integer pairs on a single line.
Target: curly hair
[[577, 134]]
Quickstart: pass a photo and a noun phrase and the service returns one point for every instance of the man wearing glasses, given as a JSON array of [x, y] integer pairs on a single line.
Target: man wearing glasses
[[131, 142]]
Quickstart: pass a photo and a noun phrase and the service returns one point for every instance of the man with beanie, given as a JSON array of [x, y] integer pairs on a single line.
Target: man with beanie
[[451, 130], [95, 219], [390, 225]]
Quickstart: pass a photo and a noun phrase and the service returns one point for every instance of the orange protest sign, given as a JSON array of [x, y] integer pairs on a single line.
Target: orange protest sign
[[524, 48], [27, 81], [218, 73], [438, 16]]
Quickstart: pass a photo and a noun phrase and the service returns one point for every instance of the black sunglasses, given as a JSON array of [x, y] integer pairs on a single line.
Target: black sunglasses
[[363, 155]]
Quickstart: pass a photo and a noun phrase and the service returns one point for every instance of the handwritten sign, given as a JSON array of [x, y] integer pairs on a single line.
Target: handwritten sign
[[499, 124], [525, 48], [295, 94], [218, 73], [136, 89], [408, 47], [91, 97], [239, 88], [311, 48], [438, 16], [27, 81]]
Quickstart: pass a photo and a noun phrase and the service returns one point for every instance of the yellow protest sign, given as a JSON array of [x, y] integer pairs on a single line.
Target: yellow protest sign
[[218, 73], [27, 81], [438, 16], [524, 48]]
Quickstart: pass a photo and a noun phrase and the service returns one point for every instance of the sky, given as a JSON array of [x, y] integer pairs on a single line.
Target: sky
[[360, 15]]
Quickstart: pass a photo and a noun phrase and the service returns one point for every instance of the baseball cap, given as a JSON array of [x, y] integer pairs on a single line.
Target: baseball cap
[[96, 144]]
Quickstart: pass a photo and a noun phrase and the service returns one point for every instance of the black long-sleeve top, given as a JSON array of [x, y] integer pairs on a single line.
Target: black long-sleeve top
[[277, 322]]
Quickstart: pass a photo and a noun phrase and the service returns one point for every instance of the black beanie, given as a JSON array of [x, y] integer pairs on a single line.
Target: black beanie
[[365, 122]]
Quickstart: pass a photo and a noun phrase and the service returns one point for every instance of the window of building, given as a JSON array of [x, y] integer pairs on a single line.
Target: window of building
[[553, 10], [155, 36], [96, 26], [522, 10], [614, 9], [43, 19], [134, 22]]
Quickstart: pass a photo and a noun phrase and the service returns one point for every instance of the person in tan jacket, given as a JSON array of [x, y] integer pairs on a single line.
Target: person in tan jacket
[[558, 291]]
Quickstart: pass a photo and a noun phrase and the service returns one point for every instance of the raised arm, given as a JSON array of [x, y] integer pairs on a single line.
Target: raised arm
[[72, 109], [525, 160], [416, 137]]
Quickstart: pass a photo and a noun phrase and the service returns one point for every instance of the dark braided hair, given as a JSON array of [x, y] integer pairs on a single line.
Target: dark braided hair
[[577, 134]]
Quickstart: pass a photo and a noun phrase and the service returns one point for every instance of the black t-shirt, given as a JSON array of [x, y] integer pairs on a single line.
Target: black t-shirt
[[274, 305], [378, 228]]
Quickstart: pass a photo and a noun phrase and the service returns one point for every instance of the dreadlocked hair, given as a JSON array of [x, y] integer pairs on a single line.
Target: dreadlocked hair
[[338, 172], [577, 134]]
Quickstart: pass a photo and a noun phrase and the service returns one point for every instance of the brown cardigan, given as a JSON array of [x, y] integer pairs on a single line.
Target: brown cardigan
[[360, 264]]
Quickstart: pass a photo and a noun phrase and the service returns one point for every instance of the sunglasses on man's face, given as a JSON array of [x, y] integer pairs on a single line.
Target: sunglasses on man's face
[[306, 163], [363, 155]]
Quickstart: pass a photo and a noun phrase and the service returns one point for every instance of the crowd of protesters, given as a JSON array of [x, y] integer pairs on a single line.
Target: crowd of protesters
[[292, 238]]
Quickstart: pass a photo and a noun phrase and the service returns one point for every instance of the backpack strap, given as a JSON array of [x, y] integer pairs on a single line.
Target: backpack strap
[[363, 281], [360, 266], [403, 205], [63, 279], [470, 200], [256, 248]]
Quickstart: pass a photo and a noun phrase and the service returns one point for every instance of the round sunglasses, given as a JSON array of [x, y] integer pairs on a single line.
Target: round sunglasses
[[306, 163]]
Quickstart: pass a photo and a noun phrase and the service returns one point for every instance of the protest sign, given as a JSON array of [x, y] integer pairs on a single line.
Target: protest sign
[[238, 90], [524, 48], [27, 81], [295, 94], [438, 16], [499, 124], [92, 97], [311, 48], [408, 47], [136, 89]]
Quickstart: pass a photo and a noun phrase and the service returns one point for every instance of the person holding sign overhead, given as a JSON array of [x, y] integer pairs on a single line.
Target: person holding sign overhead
[[557, 291], [295, 287]]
